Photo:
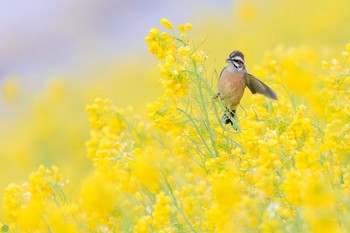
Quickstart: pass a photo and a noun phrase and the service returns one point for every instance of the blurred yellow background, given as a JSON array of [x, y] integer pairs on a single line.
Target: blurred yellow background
[[57, 57]]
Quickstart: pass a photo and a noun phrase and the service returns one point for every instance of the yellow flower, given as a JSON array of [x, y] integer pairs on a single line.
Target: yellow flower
[[97, 188], [154, 32], [184, 50], [147, 169], [199, 56], [166, 23], [188, 27], [162, 211], [324, 65], [348, 48], [182, 29]]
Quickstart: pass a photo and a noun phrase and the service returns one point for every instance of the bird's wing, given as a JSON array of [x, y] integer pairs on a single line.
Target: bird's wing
[[257, 86]]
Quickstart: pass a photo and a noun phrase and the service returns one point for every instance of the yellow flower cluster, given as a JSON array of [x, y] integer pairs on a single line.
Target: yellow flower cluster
[[41, 204], [285, 169], [179, 60]]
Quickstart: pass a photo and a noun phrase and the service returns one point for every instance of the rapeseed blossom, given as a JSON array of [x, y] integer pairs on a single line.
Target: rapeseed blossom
[[285, 168]]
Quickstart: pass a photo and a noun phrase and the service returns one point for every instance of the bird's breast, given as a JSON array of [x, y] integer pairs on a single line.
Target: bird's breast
[[231, 87]]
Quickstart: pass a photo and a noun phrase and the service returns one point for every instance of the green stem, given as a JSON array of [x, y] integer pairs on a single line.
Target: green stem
[[205, 111], [179, 209], [198, 131]]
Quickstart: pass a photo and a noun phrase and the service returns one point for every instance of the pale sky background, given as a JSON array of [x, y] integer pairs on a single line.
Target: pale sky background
[[41, 38]]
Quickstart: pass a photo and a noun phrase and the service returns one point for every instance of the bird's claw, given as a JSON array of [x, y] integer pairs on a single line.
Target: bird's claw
[[217, 96]]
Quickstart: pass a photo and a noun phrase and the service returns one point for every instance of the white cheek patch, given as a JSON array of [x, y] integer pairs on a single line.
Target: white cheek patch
[[238, 66]]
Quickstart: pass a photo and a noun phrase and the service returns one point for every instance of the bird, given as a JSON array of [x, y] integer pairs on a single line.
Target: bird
[[232, 82]]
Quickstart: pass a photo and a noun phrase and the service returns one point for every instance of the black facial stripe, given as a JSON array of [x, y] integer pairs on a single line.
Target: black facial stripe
[[238, 61], [235, 65]]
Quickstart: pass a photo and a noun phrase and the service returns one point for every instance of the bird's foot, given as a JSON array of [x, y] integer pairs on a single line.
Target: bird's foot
[[217, 96], [229, 117]]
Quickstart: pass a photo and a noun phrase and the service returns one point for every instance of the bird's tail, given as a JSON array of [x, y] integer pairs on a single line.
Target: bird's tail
[[228, 116]]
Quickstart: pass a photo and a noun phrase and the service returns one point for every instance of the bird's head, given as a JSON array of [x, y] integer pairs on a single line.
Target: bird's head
[[237, 59]]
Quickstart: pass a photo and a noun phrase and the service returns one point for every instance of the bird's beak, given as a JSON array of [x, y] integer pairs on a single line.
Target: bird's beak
[[228, 60]]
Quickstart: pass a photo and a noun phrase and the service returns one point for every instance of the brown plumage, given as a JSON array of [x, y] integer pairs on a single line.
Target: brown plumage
[[232, 82], [231, 88]]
